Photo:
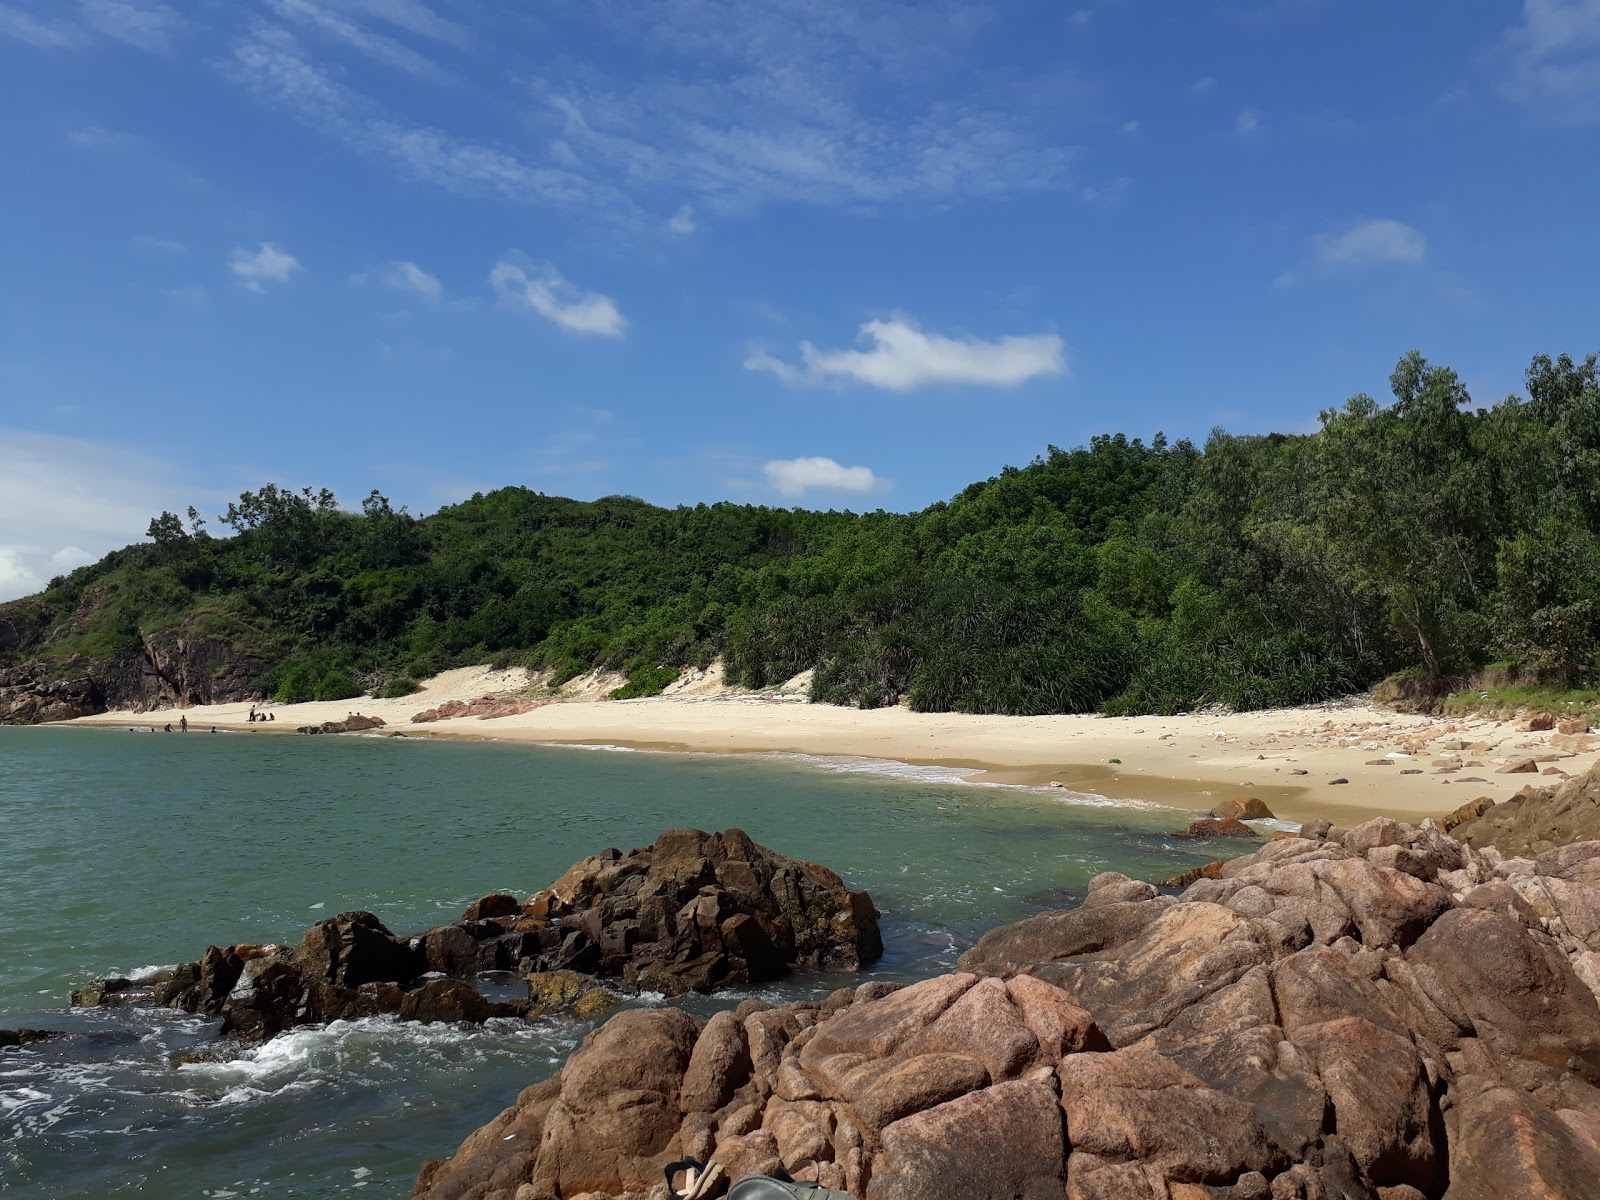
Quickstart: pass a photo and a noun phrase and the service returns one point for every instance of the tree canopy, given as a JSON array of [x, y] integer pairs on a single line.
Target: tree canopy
[[1122, 576]]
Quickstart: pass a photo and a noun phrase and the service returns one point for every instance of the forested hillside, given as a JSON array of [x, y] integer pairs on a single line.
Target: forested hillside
[[1125, 576]]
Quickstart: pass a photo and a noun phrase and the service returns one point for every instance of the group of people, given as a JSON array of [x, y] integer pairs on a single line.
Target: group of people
[[265, 716], [183, 726]]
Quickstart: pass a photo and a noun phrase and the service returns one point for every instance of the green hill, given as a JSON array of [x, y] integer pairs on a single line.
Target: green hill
[[1423, 535]]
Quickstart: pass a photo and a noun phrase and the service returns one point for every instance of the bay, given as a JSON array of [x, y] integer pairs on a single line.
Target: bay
[[121, 851]]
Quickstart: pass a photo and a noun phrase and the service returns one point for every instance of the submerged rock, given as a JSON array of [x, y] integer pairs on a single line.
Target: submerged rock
[[694, 912], [1379, 1013], [26, 1037]]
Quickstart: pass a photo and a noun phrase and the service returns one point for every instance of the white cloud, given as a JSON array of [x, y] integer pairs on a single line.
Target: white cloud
[[1247, 123], [376, 46], [1380, 241], [266, 264], [146, 26], [408, 277], [69, 558], [732, 106], [682, 222], [1128, 127], [903, 357], [67, 501], [796, 476], [1555, 58], [1201, 86], [14, 23], [549, 294]]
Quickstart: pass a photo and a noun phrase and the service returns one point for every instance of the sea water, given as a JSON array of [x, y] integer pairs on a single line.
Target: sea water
[[122, 851]]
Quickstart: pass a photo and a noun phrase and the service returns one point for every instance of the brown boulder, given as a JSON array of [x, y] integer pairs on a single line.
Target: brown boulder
[[1004, 1142], [1503, 1144], [1243, 808], [1539, 722], [1576, 725], [718, 1066], [355, 948], [1134, 1104], [1519, 766], [494, 905], [615, 1126]]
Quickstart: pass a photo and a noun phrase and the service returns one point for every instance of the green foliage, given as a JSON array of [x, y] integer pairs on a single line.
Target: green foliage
[[1122, 576], [646, 679], [336, 685], [403, 685]]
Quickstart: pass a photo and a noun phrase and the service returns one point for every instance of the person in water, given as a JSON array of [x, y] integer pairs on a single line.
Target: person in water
[[168, 729]]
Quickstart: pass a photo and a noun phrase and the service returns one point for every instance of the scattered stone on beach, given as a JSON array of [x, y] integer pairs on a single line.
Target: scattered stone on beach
[[1539, 722], [1338, 779], [1244, 808], [355, 723], [1519, 766], [1575, 725], [26, 1037], [1210, 827], [1379, 1013], [694, 912]]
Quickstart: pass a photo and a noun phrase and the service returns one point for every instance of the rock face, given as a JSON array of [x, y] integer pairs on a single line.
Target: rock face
[[693, 912], [26, 699], [1536, 819], [171, 669], [1382, 1015]]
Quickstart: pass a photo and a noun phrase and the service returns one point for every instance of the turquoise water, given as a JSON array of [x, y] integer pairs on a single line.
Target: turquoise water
[[120, 851]]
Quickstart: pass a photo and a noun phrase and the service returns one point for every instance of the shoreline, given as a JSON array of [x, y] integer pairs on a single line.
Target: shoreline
[[1401, 765]]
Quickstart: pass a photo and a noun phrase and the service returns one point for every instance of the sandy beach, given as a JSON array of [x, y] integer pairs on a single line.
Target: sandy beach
[[1395, 764]]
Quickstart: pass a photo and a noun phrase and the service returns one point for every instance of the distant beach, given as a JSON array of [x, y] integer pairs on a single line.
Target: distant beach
[[1402, 765]]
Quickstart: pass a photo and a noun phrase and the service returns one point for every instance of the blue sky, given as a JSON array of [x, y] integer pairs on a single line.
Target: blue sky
[[782, 251]]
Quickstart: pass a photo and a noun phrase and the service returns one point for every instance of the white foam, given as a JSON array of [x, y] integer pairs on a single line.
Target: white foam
[[605, 746]]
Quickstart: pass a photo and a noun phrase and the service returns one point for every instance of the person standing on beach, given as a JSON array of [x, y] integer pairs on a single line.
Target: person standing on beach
[[183, 724]]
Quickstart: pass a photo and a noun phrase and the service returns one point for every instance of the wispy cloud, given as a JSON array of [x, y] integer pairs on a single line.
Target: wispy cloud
[[374, 45], [1379, 241], [1554, 58], [548, 293], [1248, 123], [408, 277], [146, 26], [796, 476], [903, 356], [682, 222], [732, 106], [265, 264], [47, 35]]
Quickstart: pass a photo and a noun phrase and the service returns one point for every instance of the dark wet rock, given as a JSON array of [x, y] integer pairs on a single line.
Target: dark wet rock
[[698, 911], [26, 1037], [694, 912], [354, 723], [1210, 827]]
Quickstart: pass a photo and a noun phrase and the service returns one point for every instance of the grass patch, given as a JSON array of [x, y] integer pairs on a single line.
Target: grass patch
[[1512, 699]]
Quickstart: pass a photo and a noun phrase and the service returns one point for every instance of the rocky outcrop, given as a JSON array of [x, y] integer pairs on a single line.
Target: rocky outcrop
[[1536, 819], [354, 723], [28, 699], [694, 912], [485, 708], [1381, 1013]]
